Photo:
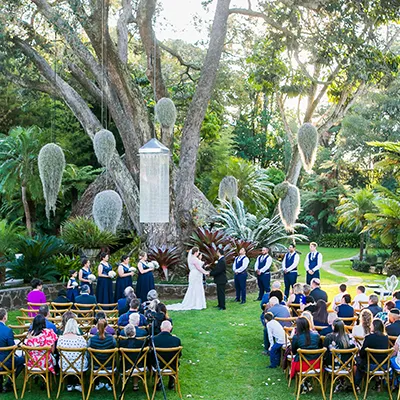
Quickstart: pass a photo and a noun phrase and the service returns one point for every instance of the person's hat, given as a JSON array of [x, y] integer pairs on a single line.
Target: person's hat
[[395, 311], [152, 295]]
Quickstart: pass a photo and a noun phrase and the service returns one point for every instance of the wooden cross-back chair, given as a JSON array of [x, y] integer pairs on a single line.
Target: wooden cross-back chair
[[82, 312], [25, 312], [349, 321], [295, 309], [105, 307], [70, 367], [292, 320], [140, 370], [359, 341], [33, 368], [7, 366], [25, 320], [108, 313], [342, 369], [106, 369], [392, 341], [378, 369], [59, 309], [34, 307], [288, 343], [311, 369], [85, 324], [168, 368], [20, 332]]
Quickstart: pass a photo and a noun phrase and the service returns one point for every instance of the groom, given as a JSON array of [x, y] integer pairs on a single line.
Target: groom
[[219, 274]]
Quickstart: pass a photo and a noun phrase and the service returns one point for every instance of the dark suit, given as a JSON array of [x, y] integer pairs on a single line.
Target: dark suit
[[393, 329], [219, 274], [61, 299], [166, 340], [85, 299], [319, 294]]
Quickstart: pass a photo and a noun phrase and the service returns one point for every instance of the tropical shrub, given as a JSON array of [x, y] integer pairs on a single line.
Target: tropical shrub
[[169, 259], [392, 265], [83, 233], [361, 266], [64, 263], [338, 240], [37, 259]]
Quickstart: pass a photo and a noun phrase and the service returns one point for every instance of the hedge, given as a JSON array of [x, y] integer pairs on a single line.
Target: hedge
[[339, 240]]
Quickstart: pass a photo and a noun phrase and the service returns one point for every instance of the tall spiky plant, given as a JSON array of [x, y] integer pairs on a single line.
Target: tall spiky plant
[[51, 162], [288, 205], [228, 188], [107, 210], [104, 146], [307, 142]]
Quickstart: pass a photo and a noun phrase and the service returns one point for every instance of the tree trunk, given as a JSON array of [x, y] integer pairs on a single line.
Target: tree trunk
[[28, 218], [362, 245]]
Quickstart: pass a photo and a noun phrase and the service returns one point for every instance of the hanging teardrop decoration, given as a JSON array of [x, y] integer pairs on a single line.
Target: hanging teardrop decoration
[[107, 210]]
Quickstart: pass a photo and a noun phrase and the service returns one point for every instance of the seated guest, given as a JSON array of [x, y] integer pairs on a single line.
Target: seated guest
[[265, 299], [308, 315], [338, 298], [134, 319], [102, 341], [72, 339], [124, 303], [306, 289], [36, 295], [320, 314], [393, 329], [64, 319], [338, 340], [279, 311], [332, 317], [152, 300], [309, 305], [317, 292], [304, 339], [7, 340], [360, 297], [85, 297], [396, 298], [109, 329], [61, 298], [376, 340], [384, 315], [160, 315], [134, 308], [297, 297], [44, 310], [165, 340], [40, 336], [373, 304], [365, 325], [345, 310], [395, 360], [276, 339]]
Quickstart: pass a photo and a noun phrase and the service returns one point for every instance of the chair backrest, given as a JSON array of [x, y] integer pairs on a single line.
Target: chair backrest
[[88, 308], [4, 369], [392, 341], [292, 320], [359, 340], [85, 324], [312, 366], [379, 367], [131, 356], [109, 313], [349, 328], [352, 320], [59, 309], [25, 320], [173, 363], [25, 312], [70, 359], [98, 367], [338, 365], [35, 357], [111, 306], [295, 309], [288, 334]]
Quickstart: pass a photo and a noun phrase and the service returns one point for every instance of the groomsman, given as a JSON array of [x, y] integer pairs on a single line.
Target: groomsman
[[262, 269], [313, 263], [240, 269], [219, 274], [289, 268]]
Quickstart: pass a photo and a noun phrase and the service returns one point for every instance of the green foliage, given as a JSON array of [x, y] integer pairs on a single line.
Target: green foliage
[[165, 112], [37, 260], [83, 233], [307, 142], [107, 210], [289, 207], [168, 257], [63, 263], [389, 157], [281, 189], [51, 162], [276, 176], [392, 265], [131, 249], [104, 146], [361, 266], [338, 240]]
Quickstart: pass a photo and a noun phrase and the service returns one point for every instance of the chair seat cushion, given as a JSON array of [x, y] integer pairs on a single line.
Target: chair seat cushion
[[104, 372], [337, 371], [313, 372], [164, 371]]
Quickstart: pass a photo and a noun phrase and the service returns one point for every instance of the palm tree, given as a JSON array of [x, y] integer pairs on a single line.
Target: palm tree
[[18, 169], [390, 161], [352, 213]]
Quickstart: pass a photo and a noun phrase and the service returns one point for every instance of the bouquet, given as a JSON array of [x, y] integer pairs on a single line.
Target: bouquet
[[133, 269], [92, 278], [112, 274], [75, 284], [154, 264]]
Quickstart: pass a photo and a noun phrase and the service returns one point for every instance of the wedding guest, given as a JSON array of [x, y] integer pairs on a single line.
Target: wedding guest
[[297, 297], [124, 277], [240, 270], [134, 308], [332, 317], [395, 360], [72, 286], [152, 301], [262, 270], [124, 302], [310, 305], [338, 298], [384, 315], [44, 310], [320, 314], [134, 319], [219, 275], [36, 295], [145, 281], [276, 286], [64, 319], [373, 304], [360, 297], [7, 340], [72, 339], [289, 268], [104, 289], [393, 329], [364, 327], [306, 289], [396, 298], [109, 330], [345, 310], [84, 273], [85, 297], [61, 298], [160, 315], [276, 339], [313, 262], [317, 292], [279, 311]]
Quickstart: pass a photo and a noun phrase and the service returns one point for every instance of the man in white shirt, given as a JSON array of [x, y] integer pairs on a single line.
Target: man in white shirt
[[360, 297], [289, 268], [262, 270], [276, 338], [313, 262], [338, 298], [240, 269]]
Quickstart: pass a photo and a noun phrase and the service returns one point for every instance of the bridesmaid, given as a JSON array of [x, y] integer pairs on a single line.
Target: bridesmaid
[[145, 281], [104, 289], [84, 272], [124, 278], [72, 286]]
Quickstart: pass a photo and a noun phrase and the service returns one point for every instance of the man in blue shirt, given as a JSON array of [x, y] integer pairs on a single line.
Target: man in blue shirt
[[345, 310], [123, 320], [44, 310], [7, 340]]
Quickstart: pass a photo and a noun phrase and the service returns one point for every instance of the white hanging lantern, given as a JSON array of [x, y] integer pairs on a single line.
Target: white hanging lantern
[[154, 182]]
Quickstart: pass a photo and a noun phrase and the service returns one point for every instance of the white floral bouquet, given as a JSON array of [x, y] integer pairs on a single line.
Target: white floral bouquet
[[154, 264], [133, 269], [112, 274], [75, 284], [91, 278]]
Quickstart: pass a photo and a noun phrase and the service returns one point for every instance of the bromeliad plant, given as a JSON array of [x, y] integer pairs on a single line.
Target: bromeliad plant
[[167, 257]]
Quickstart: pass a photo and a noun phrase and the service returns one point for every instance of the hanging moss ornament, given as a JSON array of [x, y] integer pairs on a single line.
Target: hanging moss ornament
[[228, 188], [165, 113], [51, 163], [289, 207], [107, 210], [307, 142], [104, 146]]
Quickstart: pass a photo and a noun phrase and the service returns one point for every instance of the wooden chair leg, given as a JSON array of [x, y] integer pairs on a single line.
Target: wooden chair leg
[[82, 382], [48, 383], [388, 384], [332, 383], [321, 382], [299, 381], [60, 384], [25, 382], [178, 386], [155, 386], [366, 387], [90, 387], [145, 385]]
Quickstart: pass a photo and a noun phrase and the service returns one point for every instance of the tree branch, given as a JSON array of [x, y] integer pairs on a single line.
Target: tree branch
[[179, 57], [125, 18]]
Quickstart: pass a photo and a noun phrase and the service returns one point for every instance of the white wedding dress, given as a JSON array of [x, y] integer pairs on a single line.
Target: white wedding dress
[[195, 298]]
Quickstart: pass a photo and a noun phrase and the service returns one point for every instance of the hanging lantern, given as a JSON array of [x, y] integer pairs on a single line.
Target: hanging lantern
[[154, 182]]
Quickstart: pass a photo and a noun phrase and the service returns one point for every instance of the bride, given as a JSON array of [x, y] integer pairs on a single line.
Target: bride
[[195, 298]]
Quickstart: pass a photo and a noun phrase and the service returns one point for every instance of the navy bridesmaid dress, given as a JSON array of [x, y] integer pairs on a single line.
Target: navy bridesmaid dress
[[145, 283], [73, 292], [104, 290], [122, 283], [85, 275]]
